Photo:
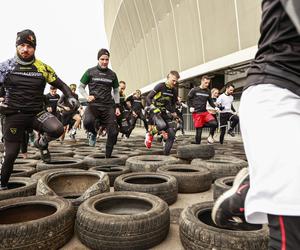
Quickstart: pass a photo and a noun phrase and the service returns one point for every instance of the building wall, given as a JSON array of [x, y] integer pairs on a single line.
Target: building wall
[[148, 38]]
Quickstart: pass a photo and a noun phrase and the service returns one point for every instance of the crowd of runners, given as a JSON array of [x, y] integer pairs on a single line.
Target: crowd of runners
[[30, 117]]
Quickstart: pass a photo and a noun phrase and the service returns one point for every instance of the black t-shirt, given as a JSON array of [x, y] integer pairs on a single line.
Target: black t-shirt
[[24, 84], [163, 97], [197, 98], [278, 58], [100, 83], [136, 103], [51, 101]]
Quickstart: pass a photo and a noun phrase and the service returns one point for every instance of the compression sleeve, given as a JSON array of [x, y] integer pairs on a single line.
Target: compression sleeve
[[82, 91], [62, 86], [116, 82], [116, 95], [190, 98]]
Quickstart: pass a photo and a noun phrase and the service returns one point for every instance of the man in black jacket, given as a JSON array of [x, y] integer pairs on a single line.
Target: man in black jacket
[[134, 102], [162, 103], [24, 78], [101, 106]]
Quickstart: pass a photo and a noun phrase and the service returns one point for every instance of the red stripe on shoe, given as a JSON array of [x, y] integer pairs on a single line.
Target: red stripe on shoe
[[241, 188], [283, 236]]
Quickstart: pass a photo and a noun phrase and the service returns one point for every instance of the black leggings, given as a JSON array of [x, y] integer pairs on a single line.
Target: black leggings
[[133, 122], [284, 232], [14, 130], [234, 120], [210, 124], [107, 119]]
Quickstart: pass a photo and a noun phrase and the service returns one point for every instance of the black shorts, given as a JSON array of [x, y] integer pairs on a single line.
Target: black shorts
[[67, 117], [105, 116], [224, 118], [16, 124]]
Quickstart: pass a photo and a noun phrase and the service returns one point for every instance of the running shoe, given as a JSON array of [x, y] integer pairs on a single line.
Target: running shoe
[[3, 188], [92, 140], [148, 140], [164, 135], [43, 147], [228, 211], [72, 134], [230, 132], [210, 140]]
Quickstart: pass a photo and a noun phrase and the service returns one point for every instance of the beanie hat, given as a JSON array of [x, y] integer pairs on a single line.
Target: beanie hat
[[26, 36], [103, 52]]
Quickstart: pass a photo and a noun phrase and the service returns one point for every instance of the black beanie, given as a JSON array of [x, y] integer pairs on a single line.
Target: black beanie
[[26, 36], [102, 52]]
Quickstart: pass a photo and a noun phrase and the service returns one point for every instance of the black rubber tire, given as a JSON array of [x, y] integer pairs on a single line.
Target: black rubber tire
[[58, 152], [160, 184], [25, 163], [190, 179], [62, 162], [142, 221], [19, 187], [98, 159], [113, 171], [21, 171], [221, 165], [39, 175], [74, 185], [149, 163], [189, 152], [198, 232], [221, 185], [36, 222]]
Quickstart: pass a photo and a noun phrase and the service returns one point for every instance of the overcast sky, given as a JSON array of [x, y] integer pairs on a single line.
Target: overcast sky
[[69, 33]]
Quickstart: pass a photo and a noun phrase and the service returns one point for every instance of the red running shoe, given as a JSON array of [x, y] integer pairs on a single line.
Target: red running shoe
[[148, 140]]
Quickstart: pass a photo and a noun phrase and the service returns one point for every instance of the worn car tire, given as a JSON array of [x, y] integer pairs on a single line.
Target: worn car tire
[[191, 179], [19, 187], [21, 171], [221, 185], [159, 184], [61, 162], [98, 159], [25, 163], [198, 232], [35, 222], [149, 163], [189, 152], [122, 220], [221, 165], [113, 171], [74, 185]]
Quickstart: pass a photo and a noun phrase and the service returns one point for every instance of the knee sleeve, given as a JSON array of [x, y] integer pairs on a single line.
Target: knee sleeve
[[159, 122]]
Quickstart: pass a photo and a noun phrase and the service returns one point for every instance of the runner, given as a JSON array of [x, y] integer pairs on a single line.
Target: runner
[[179, 107], [161, 102], [269, 191], [227, 112], [101, 81], [136, 107], [51, 101], [196, 100], [24, 78], [70, 116], [214, 95]]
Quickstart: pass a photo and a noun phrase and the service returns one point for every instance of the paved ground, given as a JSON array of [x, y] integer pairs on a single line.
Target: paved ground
[[184, 200]]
